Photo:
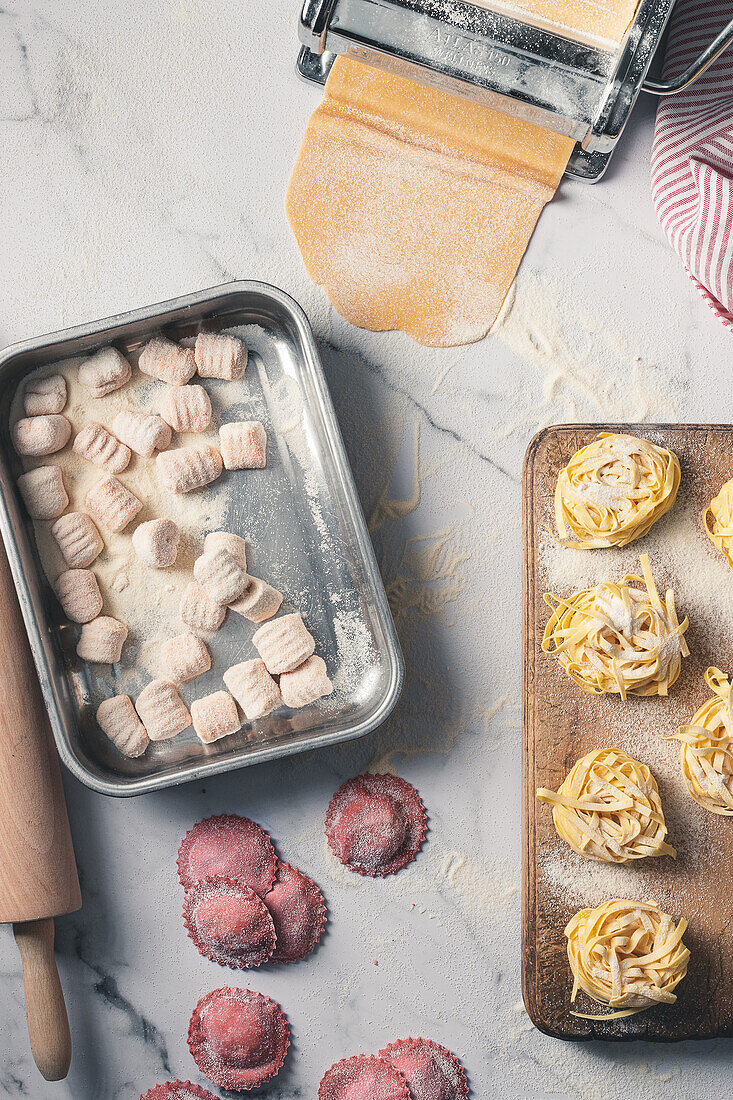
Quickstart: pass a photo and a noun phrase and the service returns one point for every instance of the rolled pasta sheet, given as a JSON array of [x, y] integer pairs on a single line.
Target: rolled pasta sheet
[[706, 756], [608, 809], [612, 491], [717, 519], [618, 638], [628, 955]]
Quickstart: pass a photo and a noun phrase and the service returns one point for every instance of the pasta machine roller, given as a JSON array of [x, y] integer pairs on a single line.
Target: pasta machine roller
[[492, 53]]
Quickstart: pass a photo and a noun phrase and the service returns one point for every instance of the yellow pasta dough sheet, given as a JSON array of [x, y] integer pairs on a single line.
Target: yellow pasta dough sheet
[[413, 208], [607, 20]]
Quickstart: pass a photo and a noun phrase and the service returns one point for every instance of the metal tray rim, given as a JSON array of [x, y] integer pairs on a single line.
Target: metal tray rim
[[334, 439]]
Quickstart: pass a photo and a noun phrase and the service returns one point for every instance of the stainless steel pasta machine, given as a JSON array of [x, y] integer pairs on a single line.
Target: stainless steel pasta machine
[[492, 53]]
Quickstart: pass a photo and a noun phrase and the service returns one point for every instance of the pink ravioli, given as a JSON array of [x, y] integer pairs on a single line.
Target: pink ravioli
[[177, 1090], [229, 923], [431, 1071], [298, 912], [363, 1077], [238, 1038], [228, 847], [375, 824]]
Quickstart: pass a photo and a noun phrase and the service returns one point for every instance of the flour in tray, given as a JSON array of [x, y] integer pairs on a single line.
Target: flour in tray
[[131, 590]]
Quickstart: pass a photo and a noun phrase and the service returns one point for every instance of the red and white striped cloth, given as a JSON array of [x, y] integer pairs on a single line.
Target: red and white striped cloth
[[692, 156]]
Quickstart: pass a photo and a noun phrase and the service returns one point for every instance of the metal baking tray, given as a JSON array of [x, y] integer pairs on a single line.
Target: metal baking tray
[[308, 532]]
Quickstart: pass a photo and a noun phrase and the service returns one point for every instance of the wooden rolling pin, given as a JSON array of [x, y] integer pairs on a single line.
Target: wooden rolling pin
[[38, 878]]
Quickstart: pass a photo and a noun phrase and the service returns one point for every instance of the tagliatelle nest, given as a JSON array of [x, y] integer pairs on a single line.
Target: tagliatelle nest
[[608, 809], [626, 954], [721, 510], [707, 748], [618, 638], [613, 490]]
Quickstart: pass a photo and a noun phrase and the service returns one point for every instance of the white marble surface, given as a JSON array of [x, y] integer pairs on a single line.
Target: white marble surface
[[145, 152]]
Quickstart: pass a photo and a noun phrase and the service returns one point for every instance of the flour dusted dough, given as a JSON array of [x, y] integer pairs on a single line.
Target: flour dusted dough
[[413, 208]]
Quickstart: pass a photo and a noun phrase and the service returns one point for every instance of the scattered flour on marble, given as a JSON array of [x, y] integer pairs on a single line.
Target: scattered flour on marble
[[588, 371], [387, 509], [476, 884]]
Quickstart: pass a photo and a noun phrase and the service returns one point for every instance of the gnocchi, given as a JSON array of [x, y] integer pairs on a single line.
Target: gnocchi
[[156, 543], [41, 435], [79, 595], [220, 575], [199, 612], [306, 683], [143, 433], [78, 539], [117, 719], [258, 602], [254, 689], [185, 468], [112, 504], [224, 540], [102, 640], [162, 710], [169, 362], [243, 445], [43, 492], [215, 716], [45, 395], [185, 657], [100, 447], [105, 371], [186, 408], [220, 356], [284, 643]]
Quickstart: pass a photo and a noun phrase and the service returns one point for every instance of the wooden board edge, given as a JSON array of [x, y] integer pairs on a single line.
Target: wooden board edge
[[528, 886]]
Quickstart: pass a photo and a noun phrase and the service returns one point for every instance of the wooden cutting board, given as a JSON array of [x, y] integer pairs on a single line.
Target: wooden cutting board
[[561, 724]]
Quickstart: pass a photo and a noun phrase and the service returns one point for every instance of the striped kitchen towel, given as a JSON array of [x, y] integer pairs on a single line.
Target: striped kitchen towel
[[692, 155]]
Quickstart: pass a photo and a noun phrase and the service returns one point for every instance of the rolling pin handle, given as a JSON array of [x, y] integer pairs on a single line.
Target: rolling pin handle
[[48, 1024]]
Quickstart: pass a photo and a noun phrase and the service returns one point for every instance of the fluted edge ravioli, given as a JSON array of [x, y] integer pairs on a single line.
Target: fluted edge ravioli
[[228, 846], [432, 1071], [238, 1038], [363, 1077], [375, 824], [298, 912], [229, 923], [177, 1090]]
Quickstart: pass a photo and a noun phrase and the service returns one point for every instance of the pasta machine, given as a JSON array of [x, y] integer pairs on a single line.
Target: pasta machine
[[491, 52]]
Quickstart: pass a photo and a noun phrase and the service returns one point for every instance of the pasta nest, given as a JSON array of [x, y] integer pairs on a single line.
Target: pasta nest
[[613, 490], [618, 638], [628, 955], [721, 510], [707, 748], [608, 809]]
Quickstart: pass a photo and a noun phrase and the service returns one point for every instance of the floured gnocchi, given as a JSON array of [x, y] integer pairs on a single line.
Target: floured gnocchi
[[133, 451]]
